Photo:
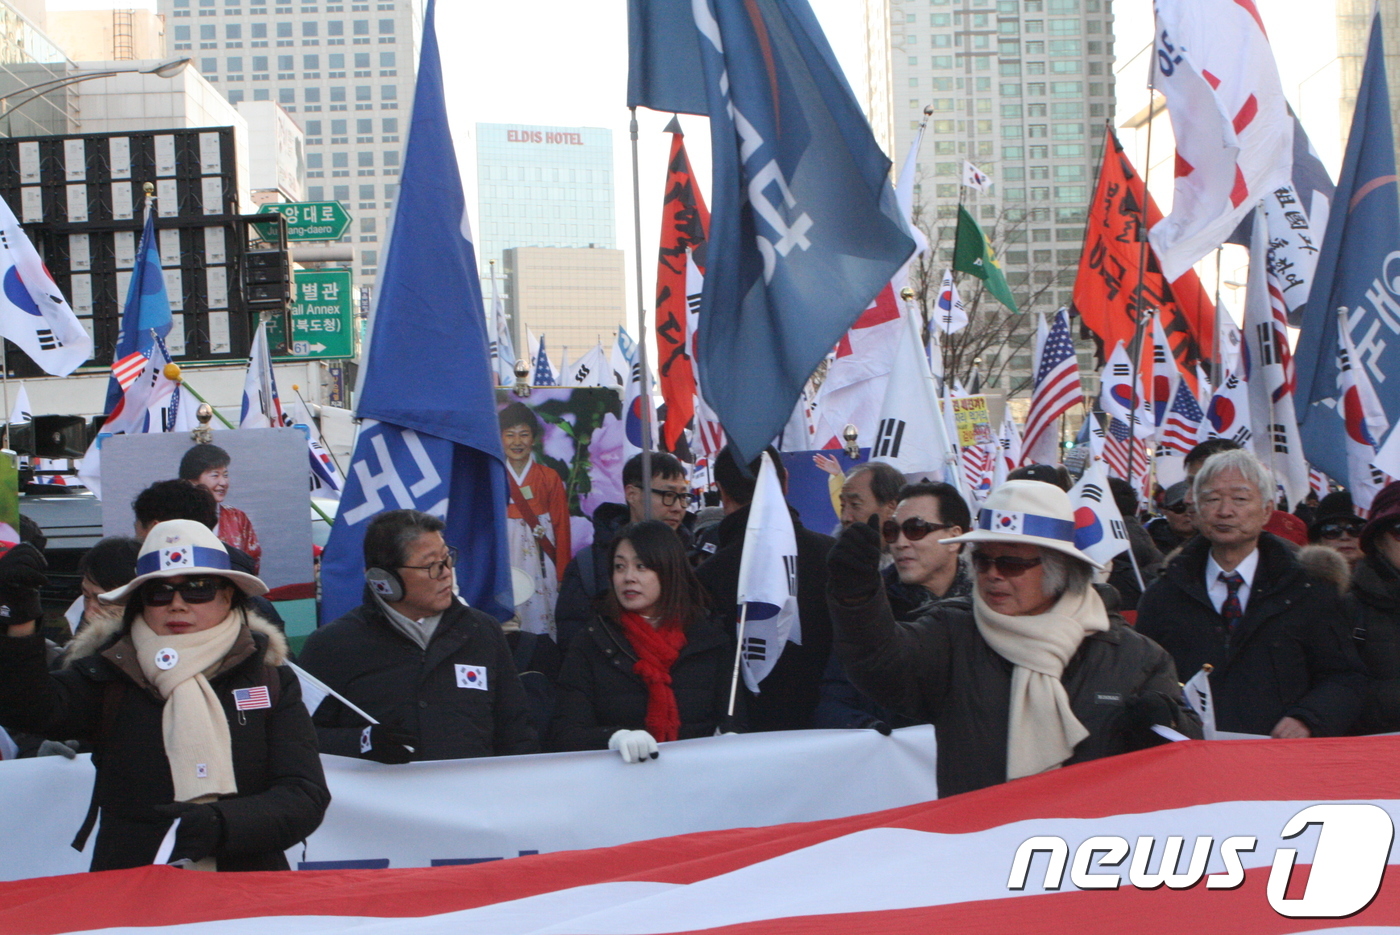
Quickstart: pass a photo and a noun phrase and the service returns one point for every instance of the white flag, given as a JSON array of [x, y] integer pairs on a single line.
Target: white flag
[[150, 404], [974, 177], [1121, 394], [910, 435], [1009, 441], [767, 579], [1098, 526], [314, 691], [708, 437], [1364, 416], [1227, 413], [589, 370], [502, 347], [1234, 135], [950, 315], [632, 402], [22, 412], [262, 409], [326, 479], [33, 313], [1198, 696]]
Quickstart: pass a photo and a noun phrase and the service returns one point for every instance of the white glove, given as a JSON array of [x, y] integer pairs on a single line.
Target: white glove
[[636, 746]]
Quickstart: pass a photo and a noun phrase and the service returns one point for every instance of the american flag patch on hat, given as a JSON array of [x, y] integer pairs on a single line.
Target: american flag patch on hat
[[248, 699]]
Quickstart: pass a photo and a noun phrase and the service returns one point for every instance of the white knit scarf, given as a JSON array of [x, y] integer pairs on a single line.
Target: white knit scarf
[[195, 730], [1042, 731]]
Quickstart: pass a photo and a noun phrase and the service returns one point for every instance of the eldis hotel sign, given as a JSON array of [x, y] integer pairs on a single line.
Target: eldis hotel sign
[[556, 137]]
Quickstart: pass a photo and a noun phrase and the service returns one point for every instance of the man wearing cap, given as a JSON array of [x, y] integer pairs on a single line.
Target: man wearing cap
[[1236, 598], [436, 674], [186, 701], [1175, 527], [1031, 672]]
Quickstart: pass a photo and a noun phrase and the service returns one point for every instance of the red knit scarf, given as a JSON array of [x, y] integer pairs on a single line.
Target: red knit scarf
[[657, 649]]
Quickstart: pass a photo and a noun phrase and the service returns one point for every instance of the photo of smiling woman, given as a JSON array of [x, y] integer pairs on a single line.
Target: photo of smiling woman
[[537, 518], [208, 466], [652, 666]]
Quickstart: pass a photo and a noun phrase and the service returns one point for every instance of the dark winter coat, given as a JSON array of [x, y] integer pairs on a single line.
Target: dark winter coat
[[378, 669], [102, 696], [842, 705], [1291, 655], [939, 669], [1374, 602], [600, 694], [788, 696]]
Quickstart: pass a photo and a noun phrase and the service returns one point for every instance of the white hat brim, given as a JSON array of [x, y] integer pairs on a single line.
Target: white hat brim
[[248, 584], [1011, 538]]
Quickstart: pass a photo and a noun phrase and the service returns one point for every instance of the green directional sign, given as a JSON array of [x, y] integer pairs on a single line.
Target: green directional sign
[[322, 318], [311, 220]]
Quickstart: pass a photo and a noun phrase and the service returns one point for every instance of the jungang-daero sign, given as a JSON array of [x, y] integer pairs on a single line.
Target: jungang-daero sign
[[1352, 848], [540, 136]]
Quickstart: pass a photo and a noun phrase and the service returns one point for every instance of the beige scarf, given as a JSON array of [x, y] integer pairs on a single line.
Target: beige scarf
[[1043, 731], [197, 741]]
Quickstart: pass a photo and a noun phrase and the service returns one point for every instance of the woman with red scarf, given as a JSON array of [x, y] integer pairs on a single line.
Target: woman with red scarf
[[651, 667]]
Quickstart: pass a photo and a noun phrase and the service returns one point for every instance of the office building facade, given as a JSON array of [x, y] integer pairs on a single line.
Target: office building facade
[[573, 297], [1020, 88], [344, 71]]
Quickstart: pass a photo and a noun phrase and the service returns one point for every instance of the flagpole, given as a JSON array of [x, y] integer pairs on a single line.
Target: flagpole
[[1135, 353], [738, 655], [646, 413]]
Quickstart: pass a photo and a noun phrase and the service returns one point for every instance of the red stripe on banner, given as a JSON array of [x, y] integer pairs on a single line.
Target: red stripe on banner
[[1241, 191], [1247, 114], [1254, 12], [1183, 168], [1211, 79], [1173, 776]]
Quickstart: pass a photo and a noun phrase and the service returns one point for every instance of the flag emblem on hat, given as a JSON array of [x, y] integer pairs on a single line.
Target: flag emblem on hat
[[177, 557], [250, 699], [1006, 522]]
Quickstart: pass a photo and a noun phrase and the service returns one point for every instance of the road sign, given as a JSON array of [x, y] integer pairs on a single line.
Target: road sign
[[322, 318], [311, 220]]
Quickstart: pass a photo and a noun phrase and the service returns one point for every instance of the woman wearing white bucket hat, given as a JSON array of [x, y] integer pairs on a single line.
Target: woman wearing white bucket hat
[[1031, 672], [192, 715]]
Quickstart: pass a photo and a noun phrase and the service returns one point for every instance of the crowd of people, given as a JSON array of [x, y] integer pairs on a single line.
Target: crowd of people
[[1024, 652]]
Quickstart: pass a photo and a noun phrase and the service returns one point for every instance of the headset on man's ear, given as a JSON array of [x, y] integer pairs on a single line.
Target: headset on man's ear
[[386, 583]]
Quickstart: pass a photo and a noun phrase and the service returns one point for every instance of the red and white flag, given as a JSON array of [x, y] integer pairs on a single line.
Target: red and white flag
[[1227, 413], [1365, 420], [1121, 394], [1073, 851], [1234, 134]]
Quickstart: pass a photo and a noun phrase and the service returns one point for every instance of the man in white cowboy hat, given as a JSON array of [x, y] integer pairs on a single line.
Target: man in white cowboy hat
[[1029, 673], [192, 714]]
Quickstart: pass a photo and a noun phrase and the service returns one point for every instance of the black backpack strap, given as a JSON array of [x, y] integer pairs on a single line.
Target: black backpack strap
[[273, 680], [112, 694]]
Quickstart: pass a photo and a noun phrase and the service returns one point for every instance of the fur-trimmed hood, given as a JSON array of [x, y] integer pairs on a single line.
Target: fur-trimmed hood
[[96, 634], [1326, 564]]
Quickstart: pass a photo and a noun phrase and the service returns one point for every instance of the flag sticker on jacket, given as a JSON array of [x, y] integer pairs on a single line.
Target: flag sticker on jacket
[[471, 676], [250, 699]]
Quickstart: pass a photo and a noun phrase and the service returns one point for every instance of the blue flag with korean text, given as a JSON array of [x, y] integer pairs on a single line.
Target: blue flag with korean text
[[146, 314], [1358, 268], [429, 440], [805, 230]]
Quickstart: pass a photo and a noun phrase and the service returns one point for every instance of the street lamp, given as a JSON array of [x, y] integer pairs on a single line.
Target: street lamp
[[164, 70]]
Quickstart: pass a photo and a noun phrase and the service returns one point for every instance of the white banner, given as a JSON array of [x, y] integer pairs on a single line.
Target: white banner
[[458, 811]]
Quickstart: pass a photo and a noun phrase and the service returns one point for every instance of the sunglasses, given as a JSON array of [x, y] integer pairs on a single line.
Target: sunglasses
[[1338, 530], [1008, 566], [1178, 509], [193, 591], [914, 529]]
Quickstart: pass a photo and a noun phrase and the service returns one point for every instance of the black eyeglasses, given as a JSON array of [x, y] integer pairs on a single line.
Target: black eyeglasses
[[1008, 566], [914, 529], [1338, 530], [670, 497], [193, 591], [439, 568]]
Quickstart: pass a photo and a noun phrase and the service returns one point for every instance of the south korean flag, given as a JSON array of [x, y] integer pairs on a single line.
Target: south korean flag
[[180, 556], [33, 313], [997, 521]]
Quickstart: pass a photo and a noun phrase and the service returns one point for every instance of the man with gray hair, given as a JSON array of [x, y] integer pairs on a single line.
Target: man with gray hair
[[1236, 598], [870, 488]]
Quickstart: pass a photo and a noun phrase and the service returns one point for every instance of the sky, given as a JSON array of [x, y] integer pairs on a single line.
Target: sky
[[564, 63]]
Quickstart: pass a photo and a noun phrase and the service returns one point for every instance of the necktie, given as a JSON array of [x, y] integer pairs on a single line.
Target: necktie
[[1231, 610]]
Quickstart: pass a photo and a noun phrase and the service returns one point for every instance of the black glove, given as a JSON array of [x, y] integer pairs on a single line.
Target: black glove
[[874, 723], [385, 744], [1149, 708], [21, 577], [201, 829], [854, 563]]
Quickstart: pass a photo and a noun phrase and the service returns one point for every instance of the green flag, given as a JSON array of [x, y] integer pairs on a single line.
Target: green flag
[[972, 254]]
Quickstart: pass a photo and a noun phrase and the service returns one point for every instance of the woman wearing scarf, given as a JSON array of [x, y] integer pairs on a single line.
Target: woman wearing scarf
[[651, 667], [190, 711], [1029, 673]]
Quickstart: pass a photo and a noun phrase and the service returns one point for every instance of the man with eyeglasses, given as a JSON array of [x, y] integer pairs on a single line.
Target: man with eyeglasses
[[436, 674], [1276, 636], [924, 570], [589, 576]]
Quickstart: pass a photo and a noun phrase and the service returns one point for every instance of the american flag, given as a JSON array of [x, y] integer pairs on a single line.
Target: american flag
[[544, 372], [250, 699], [1182, 427], [978, 462], [1115, 453], [126, 370], [1056, 390]]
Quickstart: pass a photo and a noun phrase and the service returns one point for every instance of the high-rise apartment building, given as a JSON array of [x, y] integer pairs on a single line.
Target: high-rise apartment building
[[1022, 89], [345, 71], [550, 187], [1353, 31]]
